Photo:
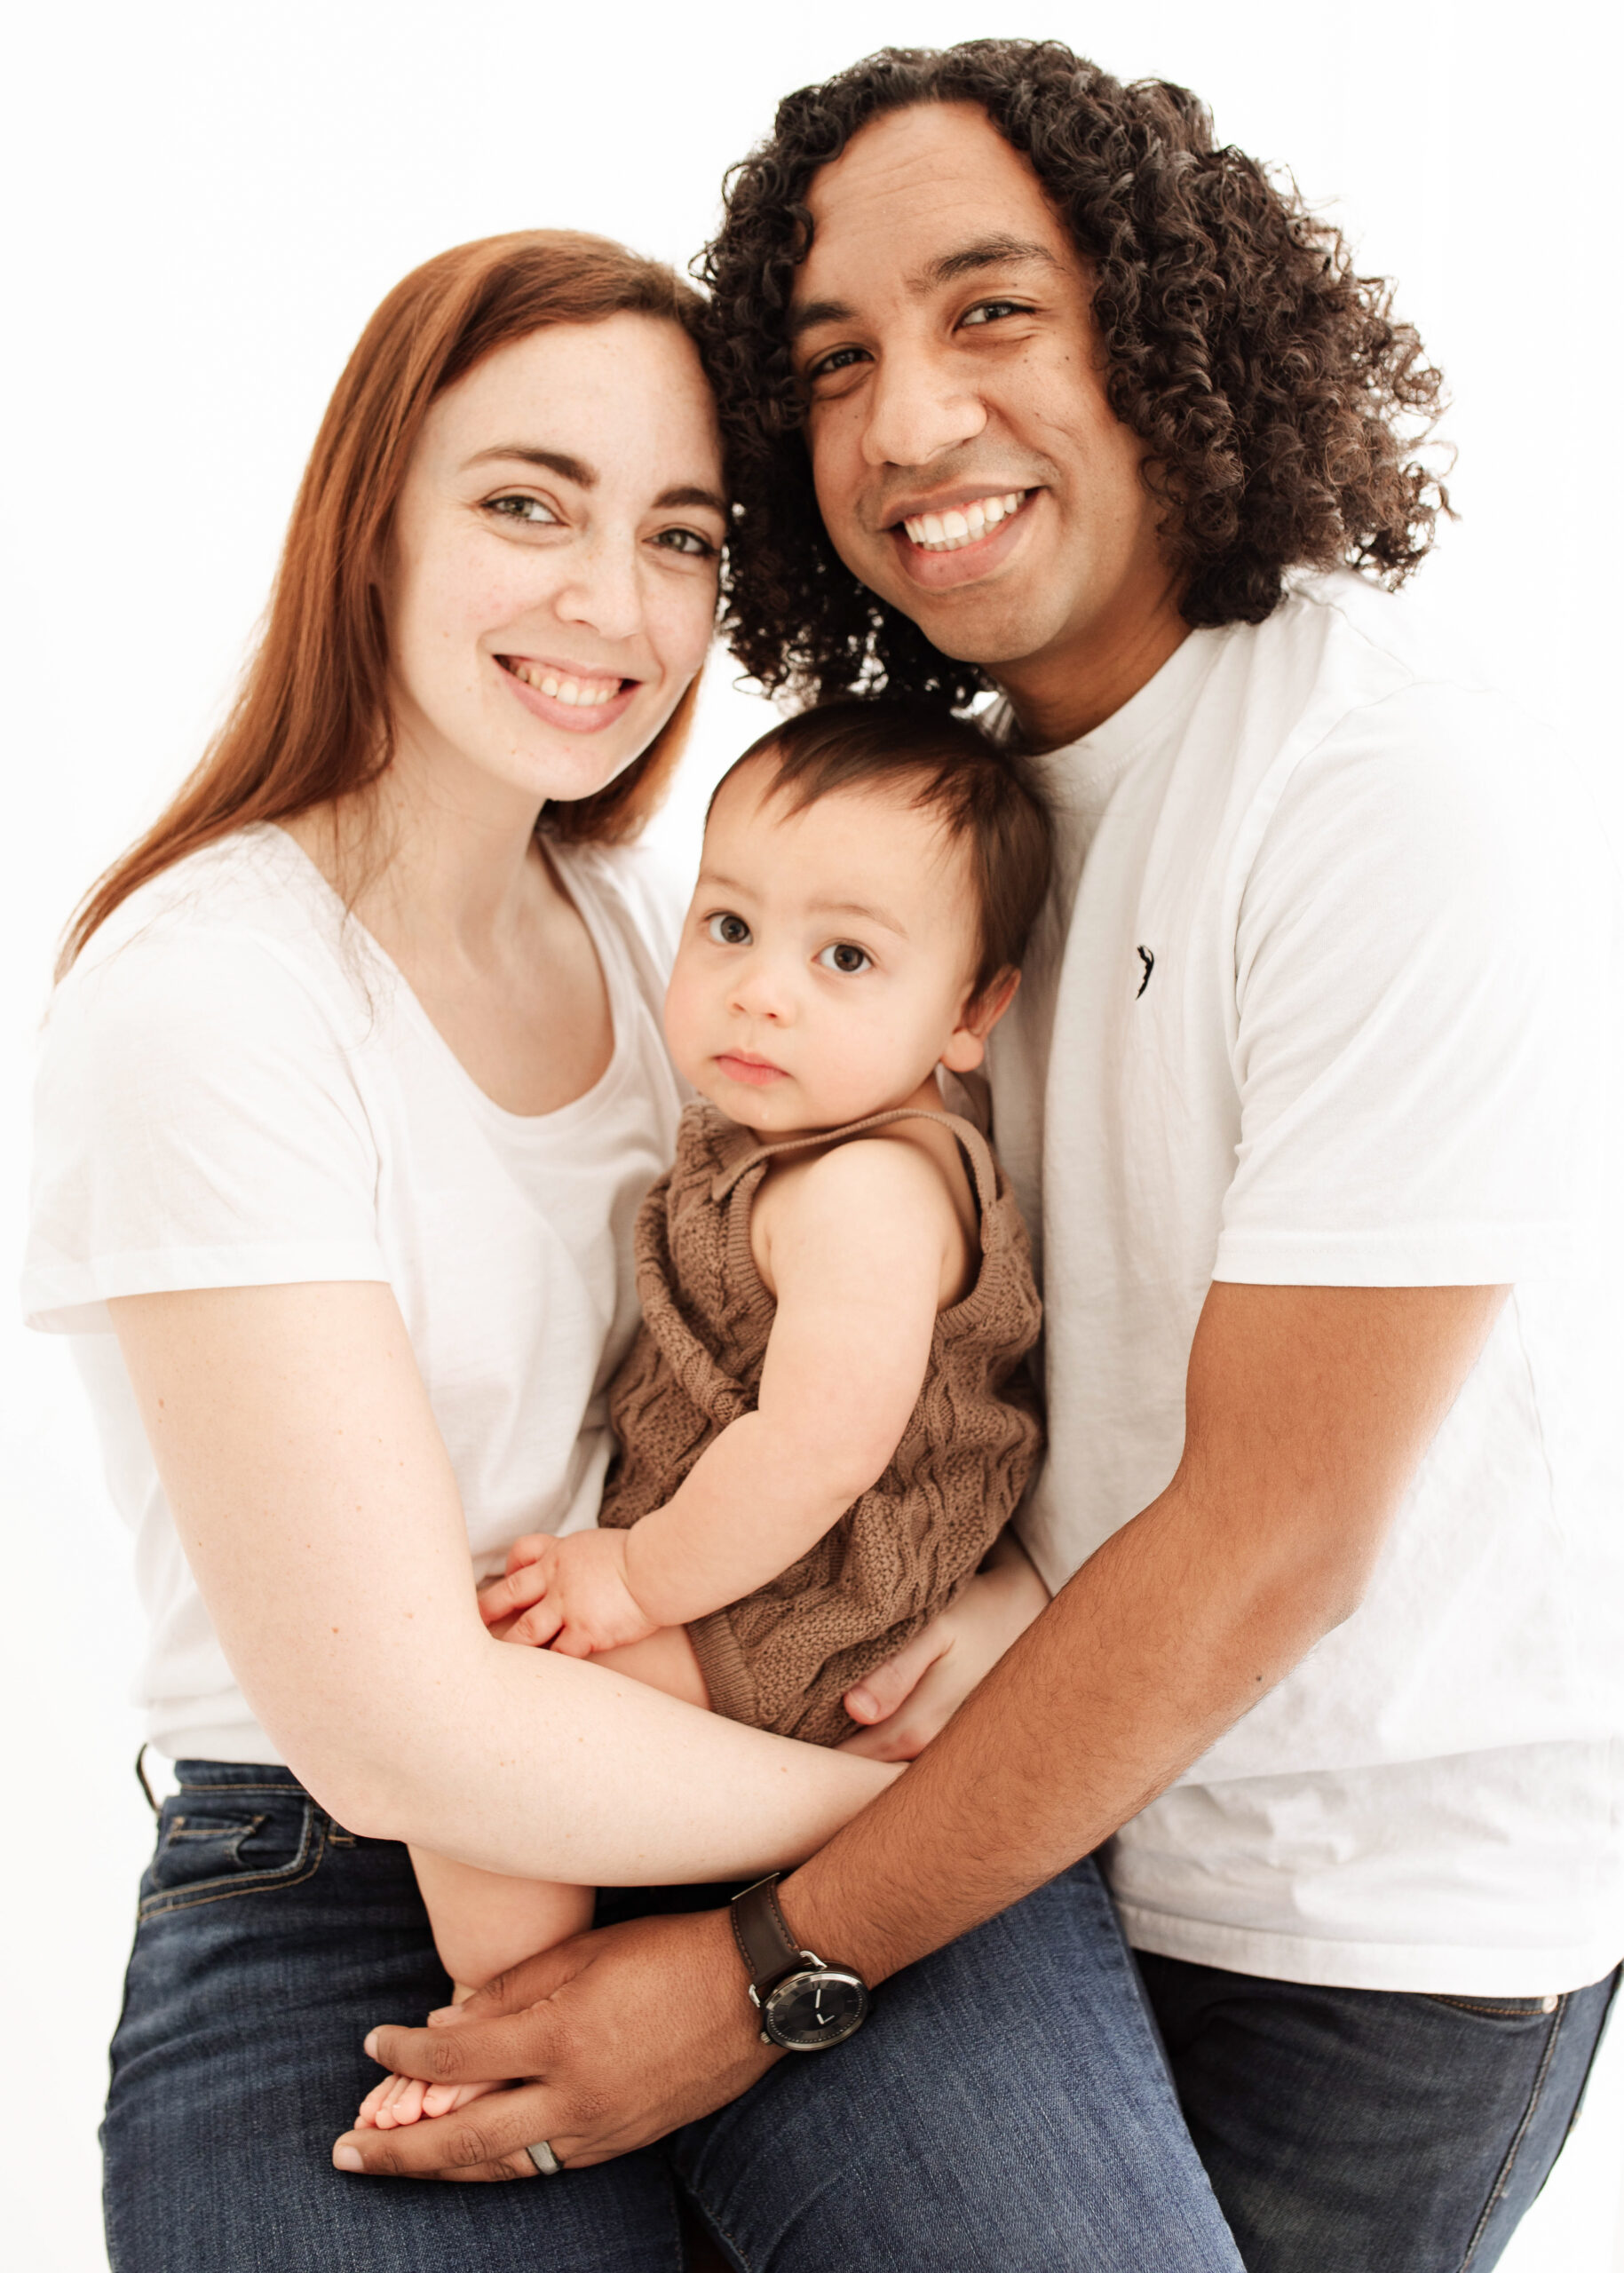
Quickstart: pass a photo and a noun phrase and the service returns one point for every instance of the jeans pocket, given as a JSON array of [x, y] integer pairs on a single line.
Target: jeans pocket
[[216, 1845]]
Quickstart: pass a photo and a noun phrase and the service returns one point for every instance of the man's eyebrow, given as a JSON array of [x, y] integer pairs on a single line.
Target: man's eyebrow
[[986, 252], [811, 313], [558, 461]]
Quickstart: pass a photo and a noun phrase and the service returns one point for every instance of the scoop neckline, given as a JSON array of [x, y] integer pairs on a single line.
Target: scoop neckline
[[578, 1109]]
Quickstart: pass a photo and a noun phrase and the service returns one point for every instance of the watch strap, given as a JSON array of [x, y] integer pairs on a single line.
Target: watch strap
[[769, 1949]]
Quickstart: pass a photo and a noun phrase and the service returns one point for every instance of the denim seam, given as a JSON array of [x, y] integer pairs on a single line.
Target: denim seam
[[292, 1789], [1532, 2009], [183, 1827], [1503, 2176], [228, 1889]]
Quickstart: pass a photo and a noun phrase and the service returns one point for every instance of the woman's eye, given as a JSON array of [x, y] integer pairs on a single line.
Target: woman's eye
[[990, 310], [844, 958], [727, 930], [686, 540], [522, 509]]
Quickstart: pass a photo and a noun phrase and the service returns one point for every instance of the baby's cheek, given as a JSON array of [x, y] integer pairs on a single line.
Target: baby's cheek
[[685, 1019]]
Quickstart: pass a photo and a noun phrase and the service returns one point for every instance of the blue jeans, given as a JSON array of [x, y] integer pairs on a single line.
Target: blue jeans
[[1363, 2131], [1006, 2109]]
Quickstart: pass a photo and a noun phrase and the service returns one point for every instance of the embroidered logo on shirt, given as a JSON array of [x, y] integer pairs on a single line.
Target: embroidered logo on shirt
[[1149, 960]]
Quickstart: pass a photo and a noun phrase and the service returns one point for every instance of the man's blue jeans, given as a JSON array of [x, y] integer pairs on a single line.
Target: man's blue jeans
[[1006, 2110], [1358, 2131]]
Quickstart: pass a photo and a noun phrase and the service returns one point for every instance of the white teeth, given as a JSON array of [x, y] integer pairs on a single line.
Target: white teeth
[[949, 532], [579, 694]]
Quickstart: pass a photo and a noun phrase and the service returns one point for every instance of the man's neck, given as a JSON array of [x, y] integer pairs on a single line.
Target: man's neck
[[1079, 682]]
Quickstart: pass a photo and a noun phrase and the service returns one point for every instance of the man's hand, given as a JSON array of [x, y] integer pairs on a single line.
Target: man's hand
[[617, 2037], [570, 1595], [910, 1698]]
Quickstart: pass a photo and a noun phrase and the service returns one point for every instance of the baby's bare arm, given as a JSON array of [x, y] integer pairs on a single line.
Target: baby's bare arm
[[860, 1252]]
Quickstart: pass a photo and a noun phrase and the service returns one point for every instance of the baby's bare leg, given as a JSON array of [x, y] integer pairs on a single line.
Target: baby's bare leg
[[483, 1923]]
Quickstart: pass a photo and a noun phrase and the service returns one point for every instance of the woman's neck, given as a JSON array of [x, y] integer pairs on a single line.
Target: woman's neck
[[445, 870]]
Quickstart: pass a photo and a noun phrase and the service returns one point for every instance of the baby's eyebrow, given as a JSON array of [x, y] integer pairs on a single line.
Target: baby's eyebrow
[[863, 913]]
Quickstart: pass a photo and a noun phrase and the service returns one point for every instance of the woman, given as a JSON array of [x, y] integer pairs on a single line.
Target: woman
[[351, 1090]]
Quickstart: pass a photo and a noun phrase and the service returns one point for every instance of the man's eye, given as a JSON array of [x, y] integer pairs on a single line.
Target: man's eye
[[521, 509], [992, 311], [840, 358], [844, 958], [727, 930]]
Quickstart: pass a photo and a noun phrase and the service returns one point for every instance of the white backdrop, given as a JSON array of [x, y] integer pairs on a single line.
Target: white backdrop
[[204, 201]]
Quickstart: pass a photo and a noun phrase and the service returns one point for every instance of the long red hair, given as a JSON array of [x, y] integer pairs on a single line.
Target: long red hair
[[311, 719]]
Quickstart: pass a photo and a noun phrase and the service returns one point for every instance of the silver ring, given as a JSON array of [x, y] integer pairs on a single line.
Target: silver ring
[[547, 2164]]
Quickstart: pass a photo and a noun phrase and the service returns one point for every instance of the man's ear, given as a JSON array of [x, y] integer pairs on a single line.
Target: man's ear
[[980, 1013]]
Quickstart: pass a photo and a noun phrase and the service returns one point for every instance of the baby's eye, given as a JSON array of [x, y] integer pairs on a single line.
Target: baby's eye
[[844, 958], [727, 930]]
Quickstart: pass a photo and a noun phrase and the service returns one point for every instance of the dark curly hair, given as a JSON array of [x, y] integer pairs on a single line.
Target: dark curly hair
[[1281, 403]]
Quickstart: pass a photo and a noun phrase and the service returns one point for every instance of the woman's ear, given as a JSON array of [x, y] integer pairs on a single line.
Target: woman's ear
[[979, 1014]]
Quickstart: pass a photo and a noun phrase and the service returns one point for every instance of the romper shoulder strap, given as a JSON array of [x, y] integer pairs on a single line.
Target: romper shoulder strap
[[976, 1151]]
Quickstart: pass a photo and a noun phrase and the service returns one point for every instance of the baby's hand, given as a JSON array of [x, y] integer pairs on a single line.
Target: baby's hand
[[570, 1594]]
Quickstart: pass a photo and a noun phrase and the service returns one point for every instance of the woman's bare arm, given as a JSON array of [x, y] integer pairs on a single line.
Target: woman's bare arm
[[316, 1504]]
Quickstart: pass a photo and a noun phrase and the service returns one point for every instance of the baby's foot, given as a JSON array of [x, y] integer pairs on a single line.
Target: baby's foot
[[401, 2100]]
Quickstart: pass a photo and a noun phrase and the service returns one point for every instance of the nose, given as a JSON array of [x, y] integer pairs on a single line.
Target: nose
[[762, 989], [921, 402], [601, 589]]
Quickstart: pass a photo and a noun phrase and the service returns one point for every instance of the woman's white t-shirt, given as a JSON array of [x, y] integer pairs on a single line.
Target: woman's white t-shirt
[[238, 1089]]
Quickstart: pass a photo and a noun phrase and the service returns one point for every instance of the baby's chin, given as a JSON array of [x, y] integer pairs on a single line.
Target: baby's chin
[[784, 1108]]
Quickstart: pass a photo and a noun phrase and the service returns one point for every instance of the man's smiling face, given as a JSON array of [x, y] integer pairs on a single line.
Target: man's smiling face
[[968, 466]]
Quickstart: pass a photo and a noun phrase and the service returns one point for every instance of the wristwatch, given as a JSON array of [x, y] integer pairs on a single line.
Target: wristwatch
[[806, 2006]]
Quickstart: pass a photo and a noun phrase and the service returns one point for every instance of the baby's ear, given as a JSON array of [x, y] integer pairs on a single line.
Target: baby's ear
[[980, 1013]]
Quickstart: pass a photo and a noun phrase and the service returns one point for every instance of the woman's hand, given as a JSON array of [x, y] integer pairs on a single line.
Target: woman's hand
[[913, 1696], [570, 1595]]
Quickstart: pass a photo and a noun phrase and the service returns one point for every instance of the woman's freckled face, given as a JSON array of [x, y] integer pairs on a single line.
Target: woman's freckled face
[[825, 957], [554, 562]]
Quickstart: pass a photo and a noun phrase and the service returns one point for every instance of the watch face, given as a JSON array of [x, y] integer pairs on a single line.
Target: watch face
[[812, 2011]]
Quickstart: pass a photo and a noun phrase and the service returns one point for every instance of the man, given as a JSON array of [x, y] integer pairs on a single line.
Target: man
[[1026, 385]]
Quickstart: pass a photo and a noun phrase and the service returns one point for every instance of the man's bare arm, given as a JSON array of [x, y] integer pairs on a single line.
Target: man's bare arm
[[1308, 1410]]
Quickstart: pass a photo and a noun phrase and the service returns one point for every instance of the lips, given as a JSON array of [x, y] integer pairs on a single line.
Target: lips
[[569, 700], [577, 690], [756, 1072], [957, 526]]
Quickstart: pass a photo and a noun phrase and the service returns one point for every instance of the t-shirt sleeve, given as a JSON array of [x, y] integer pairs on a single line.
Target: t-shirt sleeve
[[1421, 983], [197, 1123]]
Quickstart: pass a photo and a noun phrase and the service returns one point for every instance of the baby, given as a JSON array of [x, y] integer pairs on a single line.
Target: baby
[[824, 1421]]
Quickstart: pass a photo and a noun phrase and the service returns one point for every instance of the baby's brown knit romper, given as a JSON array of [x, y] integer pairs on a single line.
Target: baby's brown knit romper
[[783, 1657]]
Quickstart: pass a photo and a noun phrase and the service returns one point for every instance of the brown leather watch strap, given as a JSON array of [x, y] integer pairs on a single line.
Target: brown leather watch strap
[[766, 1943]]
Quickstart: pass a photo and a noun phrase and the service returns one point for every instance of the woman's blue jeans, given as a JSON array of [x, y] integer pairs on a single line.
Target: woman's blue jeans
[[1005, 2109]]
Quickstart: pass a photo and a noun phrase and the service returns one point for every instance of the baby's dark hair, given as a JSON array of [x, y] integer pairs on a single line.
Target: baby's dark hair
[[986, 797]]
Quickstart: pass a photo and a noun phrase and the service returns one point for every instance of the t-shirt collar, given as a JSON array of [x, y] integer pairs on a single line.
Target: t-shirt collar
[[1159, 708]]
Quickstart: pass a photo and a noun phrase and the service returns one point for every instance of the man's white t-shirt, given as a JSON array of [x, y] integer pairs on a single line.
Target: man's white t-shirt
[[1322, 1000], [237, 1087]]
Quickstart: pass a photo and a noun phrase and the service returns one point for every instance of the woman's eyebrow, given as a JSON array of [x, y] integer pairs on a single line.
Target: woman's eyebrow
[[690, 495], [558, 461]]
